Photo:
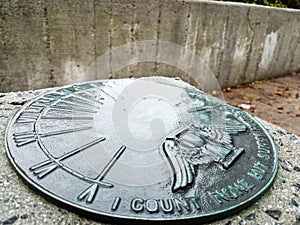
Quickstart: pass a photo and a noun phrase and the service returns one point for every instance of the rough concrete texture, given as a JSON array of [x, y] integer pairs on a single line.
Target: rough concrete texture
[[21, 205], [51, 43]]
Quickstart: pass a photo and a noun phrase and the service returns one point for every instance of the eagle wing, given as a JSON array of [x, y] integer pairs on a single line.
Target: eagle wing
[[219, 134], [184, 152], [183, 171], [198, 146], [221, 129]]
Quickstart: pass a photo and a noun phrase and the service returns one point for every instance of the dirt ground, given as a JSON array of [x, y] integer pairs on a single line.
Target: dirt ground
[[276, 100]]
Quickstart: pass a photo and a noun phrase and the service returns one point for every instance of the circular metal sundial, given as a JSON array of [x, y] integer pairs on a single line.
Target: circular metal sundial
[[153, 149]]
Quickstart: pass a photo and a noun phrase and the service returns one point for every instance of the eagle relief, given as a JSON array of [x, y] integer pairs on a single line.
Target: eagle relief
[[209, 141], [141, 150]]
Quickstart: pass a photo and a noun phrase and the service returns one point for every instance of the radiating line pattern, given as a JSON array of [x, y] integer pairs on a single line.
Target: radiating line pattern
[[71, 99], [24, 138]]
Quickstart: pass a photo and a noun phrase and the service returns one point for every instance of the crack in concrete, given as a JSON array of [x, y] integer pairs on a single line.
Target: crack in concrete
[[110, 40], [132, 37], [157, 37], [48, 47]]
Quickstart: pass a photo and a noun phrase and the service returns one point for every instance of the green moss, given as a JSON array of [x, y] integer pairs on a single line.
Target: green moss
[[274, 3]]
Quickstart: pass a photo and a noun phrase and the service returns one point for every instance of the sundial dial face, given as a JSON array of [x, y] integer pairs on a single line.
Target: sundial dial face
[[154, 149]]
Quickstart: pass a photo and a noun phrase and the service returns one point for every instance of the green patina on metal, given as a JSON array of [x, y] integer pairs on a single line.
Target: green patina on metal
[[152, 149]]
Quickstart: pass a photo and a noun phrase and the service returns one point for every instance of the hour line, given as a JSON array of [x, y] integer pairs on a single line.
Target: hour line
[[64, 131], [44, 168], [111, 163], [67, 118], [89, 194], [24, 138]]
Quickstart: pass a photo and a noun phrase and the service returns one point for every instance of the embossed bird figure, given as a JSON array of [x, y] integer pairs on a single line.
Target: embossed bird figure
[[201, 146]]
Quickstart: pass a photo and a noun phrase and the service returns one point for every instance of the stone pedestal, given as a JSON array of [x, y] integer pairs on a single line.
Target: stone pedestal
[[21, 205]]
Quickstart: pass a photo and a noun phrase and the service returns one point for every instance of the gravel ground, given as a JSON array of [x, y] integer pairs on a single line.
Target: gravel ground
[[21, 205]]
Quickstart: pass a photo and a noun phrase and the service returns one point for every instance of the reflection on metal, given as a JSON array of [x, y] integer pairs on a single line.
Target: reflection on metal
[[153, 149]]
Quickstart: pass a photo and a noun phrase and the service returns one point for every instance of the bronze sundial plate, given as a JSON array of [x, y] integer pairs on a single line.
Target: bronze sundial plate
[[153, 149]]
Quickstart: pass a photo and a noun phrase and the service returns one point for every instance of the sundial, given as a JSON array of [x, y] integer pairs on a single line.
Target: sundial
[[142, 150]]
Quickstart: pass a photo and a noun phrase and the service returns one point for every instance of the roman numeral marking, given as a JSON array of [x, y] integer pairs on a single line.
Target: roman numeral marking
[[84, 102], [44, 168], [89, 194], [76, 88], [66, 91], [116, 203], [83, 105], [27, 117], [82, 97], [43, 102], [80, 87], [78, 94], [85, 95], [36, 107], [72, 108], [24, 138], [71, 99]]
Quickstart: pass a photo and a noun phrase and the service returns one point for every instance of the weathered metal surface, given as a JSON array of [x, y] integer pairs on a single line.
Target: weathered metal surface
[[153, 149]]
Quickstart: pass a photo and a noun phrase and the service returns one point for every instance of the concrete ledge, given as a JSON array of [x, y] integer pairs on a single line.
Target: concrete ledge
[[20, 205], [52, 43]]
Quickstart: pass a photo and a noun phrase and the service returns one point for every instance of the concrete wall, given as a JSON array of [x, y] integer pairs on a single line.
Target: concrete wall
[[51, 43]]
